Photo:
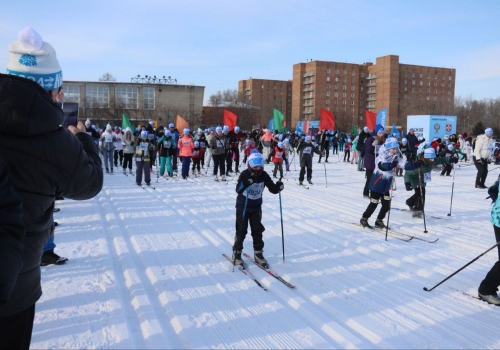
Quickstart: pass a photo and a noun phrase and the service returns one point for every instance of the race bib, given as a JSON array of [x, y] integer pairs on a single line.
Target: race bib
[[195, 153], [89, 133], [427, 177], [220, 143], [166, 144], [108, 138], [202, 144], [143, 146], [254, 191], [279, 155], [138, 159], [307, 150], [151, 136]]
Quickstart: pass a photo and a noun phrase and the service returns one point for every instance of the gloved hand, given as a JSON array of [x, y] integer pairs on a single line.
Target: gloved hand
[[489, 161], [248, 181], [408, 186], [280, 185], [375, 143], [454, 160], [394, 163], [132, 143]]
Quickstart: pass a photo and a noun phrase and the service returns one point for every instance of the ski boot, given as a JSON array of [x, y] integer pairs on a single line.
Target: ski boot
[[51, 258], [107, 170], [364, 223], [310, 182], [223, 178], [259, 259], [301, 183], [379, 223], [490, 299], [237, 259], [216, 178]]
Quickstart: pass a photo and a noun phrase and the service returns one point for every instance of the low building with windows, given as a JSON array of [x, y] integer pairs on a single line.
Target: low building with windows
[[105, 101]]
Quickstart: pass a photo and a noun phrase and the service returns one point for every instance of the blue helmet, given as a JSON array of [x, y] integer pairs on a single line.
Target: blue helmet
[[429, 153], [226, 128], [308, 138], [218, 129], [236, 129], [144, 134], [255, 160], [391, 143]]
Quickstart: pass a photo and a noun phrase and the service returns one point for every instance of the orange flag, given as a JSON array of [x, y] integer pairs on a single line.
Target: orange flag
[[181, 123]]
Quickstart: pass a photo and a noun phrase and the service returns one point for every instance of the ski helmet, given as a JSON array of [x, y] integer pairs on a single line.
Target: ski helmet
[[186, 131], [429, 153], [144, 134], [256, 160], [391, 143], [226, 128], [280, 144], [308, 138], [236, 129], [218, 129], [404, 141]]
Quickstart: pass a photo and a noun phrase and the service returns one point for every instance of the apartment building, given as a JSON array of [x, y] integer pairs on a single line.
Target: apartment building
[[105, 101], [347, 89], [268, 95]]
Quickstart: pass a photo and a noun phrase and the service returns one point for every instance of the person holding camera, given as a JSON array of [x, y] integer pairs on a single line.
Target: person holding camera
[[57, 161], [482, 153]]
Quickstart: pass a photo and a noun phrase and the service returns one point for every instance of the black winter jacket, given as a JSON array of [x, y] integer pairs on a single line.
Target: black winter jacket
[[45, 160]]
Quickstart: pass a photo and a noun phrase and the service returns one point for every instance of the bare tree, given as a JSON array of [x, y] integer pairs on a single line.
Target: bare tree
[[107, 77]]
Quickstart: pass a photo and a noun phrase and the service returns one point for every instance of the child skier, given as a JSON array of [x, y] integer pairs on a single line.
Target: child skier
[[250, 187], [185, 146], [143, 150], [278, 156], [305, 151], [381, 181], [419, 172], [286, 142], [166, 149], [198, 154], [347, 151], [128, 150]]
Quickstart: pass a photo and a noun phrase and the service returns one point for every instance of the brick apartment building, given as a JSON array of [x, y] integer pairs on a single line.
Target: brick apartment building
[[347, 89], [105, 101], [268, 95]]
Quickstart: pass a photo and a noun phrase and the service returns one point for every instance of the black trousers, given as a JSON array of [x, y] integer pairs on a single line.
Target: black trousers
[[236, 153], [196, 164], [482, 172], [127, 160], [229, 161], [253, 218], [415, 202], [219, 160], [335, 149], [174, 159], [374, 199], [203, 158], [489, 285], [348, 155], [15, 330], [305, 163], [447, 169], [368, 174], [118, 153]]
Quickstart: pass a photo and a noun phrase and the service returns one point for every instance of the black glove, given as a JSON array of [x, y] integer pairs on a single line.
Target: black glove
[[454, 160], [280, 185], [132, 143], [248, 181], [408, 186], [394, 163], [417, 164], [489, 161]]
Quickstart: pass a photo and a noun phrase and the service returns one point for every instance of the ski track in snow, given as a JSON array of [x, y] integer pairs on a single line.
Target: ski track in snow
[[146, 269]]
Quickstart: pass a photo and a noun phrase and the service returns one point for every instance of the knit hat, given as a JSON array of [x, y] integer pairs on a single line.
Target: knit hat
[[404, 141], [218, 129], [308, 138], [87, 122], [34, 59], [171, 125], [429, 153], [380, 131], [488, 131], [391, 143], [365, 129], [236, 129], [144, 134], [280, 144], [450, 147], [255, 160], [108, 127], [196, 144], [167, 132], [226, 128], [186, 131]]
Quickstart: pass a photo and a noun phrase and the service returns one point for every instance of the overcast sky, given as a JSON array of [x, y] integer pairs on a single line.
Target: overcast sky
[[217, 43]]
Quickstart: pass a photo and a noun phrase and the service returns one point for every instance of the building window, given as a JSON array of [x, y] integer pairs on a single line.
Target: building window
[[406, 81], [336, 87], [71, 93], [363, 74], [344, 102], [344, 80], [435, 91], [412, 89], [327, 108], [336, 71], [344, 87], [449, 78], [361, 103], [421, 75], [126, 97], [97, 96], [427, 98], [353, 73], [327, 102], [336, 94], [328, 93], [406, 74], [413, 75], [353, 80], [428, 90], [327, 78], [328, 71], [345, 72], [148, 96], [413, 82], [327, 86], [336, 78], [435, 84], [352, 103], [335, 102], [428, 83], [262, 87], [352, 88], [352, 110], [352, 95], [344, 94], [421, 83], [428, 76], [406, 89]]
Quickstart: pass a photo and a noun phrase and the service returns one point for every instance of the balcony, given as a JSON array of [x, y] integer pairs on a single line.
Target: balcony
[[371, 76], [247, 89], [306, 97], [370, 105], [308, 81], [307, 112], [308, 90], [371, 84], [371, 91], [371, 99], [310, 74], [310, 104]]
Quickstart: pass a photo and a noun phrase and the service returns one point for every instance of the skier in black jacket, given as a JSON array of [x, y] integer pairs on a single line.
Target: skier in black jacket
[[45, 160]]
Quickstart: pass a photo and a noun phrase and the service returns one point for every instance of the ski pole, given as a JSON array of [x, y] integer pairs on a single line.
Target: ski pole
[[390, 202], [326, 179], [463, 267], [422, 198], [282, 232], [452, 187]]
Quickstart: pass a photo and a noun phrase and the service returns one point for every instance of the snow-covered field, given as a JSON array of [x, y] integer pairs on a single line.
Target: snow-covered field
[[146, 269]]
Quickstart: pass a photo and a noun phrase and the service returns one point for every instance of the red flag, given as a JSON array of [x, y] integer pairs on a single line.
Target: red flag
[[371, 119], [230, 119], [306, 127], [326, 120]]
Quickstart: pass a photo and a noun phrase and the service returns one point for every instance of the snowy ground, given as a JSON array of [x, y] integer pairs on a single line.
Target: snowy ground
[[146, 269]]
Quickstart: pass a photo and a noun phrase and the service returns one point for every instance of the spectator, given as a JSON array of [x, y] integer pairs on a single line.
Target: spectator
[[58, 162], [412, 144]]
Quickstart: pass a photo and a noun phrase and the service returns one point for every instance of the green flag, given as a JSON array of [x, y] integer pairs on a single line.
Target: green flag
[[126, 123], [278, 120], [354, 130]]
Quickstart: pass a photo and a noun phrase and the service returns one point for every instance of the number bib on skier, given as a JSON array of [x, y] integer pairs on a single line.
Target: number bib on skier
[[427, 177], [166, 144], [143, 146], [279, 155], [307, 150], [108, 138], [196, 153], [254, 191]]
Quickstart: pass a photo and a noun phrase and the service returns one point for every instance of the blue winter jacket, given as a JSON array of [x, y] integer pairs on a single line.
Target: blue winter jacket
[[381, 179]]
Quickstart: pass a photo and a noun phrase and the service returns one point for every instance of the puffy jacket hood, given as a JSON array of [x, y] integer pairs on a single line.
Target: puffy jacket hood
[[26, 109]]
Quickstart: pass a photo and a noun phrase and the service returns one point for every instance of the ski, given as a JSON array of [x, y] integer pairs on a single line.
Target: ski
[[304, 186], [246, 273], [269, 271], [380, 231], [420, 213]]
